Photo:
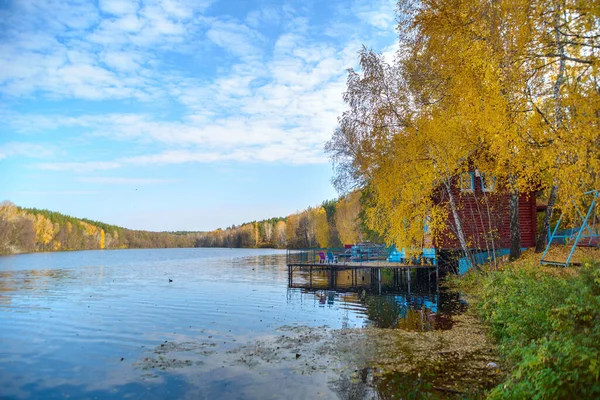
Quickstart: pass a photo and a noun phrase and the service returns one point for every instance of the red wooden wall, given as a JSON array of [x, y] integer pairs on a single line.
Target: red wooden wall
[[487, 213]]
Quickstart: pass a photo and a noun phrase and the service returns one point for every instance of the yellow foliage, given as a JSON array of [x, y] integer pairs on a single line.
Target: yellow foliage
[[9, 211], [91, 229], [102, 239], [44, 230], [347, 218], [280, 234], [493, 86], [322, 227], [291, 226]]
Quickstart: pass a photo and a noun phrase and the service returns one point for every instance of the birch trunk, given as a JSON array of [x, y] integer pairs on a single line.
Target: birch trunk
[[458, 224], [515, 226], [558, 116]]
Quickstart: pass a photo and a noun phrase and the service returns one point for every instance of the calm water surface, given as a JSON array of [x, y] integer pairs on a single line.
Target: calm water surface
[[91, 324]]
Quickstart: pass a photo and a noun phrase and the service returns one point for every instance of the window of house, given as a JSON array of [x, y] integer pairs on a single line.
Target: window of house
[[467, 182], [488, 183]]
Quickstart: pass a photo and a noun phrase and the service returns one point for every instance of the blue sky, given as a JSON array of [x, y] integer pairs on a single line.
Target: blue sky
[[176, 114]]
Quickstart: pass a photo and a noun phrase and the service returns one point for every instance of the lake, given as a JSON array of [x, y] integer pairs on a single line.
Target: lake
[[220, 323]]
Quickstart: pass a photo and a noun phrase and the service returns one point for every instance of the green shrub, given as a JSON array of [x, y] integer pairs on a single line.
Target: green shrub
[[548, 328]]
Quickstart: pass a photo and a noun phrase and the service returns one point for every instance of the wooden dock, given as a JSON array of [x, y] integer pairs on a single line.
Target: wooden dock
[[312, 261], [374, 269]]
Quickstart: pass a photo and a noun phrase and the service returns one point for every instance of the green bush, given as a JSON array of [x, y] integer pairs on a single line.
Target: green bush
[[548, 328]]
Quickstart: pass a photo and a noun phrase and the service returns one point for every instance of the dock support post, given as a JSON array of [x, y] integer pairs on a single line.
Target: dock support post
[[379, 279], [437, 278], [429, 272], [408, 279]]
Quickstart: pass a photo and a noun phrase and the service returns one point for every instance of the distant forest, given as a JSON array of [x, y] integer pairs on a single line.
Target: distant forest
[[329, 225], [30, 229]]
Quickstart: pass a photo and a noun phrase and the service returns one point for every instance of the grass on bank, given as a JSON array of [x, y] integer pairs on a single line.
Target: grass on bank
[[546, 321]]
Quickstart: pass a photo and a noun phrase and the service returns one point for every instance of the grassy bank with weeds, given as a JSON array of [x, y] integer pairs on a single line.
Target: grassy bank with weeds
[[546, 321]]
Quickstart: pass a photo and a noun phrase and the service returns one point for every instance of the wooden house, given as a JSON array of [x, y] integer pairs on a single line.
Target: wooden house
[[483, 208]]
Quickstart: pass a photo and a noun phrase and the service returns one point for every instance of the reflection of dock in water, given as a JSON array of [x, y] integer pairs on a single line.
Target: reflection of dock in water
[[407, 298], [375, 280]]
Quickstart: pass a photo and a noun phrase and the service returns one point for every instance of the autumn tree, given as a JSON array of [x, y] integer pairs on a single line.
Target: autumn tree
[[561, 58], [347, 219], [280, 234], [322, 227], [17, 231], [268, 232], [497, 86], [330, 207]]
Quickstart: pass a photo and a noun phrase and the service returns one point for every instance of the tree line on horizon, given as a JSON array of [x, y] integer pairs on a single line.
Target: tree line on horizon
[[331, 224], [29, 229]]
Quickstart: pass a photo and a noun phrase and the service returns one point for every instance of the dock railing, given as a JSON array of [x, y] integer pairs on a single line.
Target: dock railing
[[358, 256], [316, 256]]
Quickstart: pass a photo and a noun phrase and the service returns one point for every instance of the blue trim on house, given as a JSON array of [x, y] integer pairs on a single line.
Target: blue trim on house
[[428, 255], [472, 189], [464, 264]]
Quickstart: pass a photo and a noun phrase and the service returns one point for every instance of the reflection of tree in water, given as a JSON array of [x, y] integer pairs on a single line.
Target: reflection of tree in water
[[363, 385], [391, 298], [422, 320], [412, 312], [7, 285], [26, 281], [383, 311], [403, 386], [356, 386], [451, 303], [397, 364]]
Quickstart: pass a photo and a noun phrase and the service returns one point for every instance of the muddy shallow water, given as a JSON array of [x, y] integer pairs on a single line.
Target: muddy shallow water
[[231, 324]]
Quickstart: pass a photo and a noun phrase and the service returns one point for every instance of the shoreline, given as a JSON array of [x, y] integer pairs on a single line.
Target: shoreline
[[545, 322]]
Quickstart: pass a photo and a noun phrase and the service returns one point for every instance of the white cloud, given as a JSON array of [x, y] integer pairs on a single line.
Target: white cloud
[[275, 99], [236, 38], [80, 166], [26, 150], [264, 15], [390, 52], [119, 7], [54, 192], [378, 13], [126, 181], [290, 152], [69, 49], [121, 61], [285, 118]]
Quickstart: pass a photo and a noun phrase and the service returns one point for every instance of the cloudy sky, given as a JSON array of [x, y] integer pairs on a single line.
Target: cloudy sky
[[176, 114]]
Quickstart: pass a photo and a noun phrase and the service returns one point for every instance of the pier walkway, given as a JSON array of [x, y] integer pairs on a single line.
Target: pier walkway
[[309, 261], [338, 259]]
